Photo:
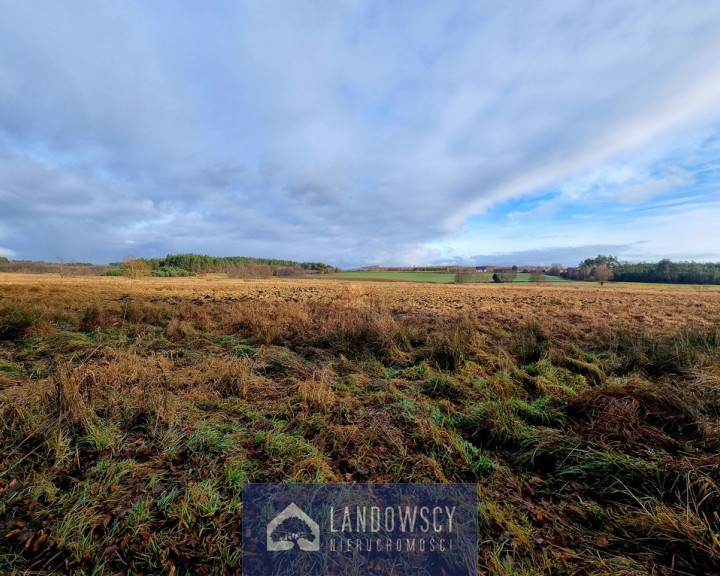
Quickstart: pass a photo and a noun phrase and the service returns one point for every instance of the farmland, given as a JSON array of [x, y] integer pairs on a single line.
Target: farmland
[[131, 412], [438, 277]]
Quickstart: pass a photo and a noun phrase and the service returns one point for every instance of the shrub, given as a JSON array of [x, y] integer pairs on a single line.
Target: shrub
[[14, 321], [169, 271], [470, 277], [135, 267]]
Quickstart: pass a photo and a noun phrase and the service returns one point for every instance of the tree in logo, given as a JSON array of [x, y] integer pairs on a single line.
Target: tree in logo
[[292, 527], [291, 530]]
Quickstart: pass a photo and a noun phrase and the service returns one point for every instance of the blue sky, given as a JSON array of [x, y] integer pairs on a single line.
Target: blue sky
[[360, 132]]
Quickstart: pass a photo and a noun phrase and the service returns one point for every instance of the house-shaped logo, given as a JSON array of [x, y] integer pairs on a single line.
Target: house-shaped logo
[[292, 526]]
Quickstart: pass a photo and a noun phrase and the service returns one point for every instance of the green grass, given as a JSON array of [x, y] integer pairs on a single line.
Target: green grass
[[524, 277], [436, 277], [439, 277]]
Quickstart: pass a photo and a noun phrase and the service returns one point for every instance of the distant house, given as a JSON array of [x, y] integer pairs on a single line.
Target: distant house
[[481, 268]]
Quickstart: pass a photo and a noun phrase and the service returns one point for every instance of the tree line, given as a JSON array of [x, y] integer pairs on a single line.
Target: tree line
[[204, 264], [61, 267], [172, 265], [233, 266], [670, 272], [665, 271]]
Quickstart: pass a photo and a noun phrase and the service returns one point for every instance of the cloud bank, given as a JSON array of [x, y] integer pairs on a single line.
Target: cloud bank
[[356, 133]]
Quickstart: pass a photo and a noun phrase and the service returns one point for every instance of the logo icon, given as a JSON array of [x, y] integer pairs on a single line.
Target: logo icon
[[293, 527]]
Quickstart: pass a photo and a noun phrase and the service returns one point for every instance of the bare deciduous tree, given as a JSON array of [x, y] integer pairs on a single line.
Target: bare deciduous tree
[[538, 276], [602, 274], [63, 269], [135, 267], [289, 271]]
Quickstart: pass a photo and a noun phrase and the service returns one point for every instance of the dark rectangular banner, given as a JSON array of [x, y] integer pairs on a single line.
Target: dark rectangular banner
[[359, 529]]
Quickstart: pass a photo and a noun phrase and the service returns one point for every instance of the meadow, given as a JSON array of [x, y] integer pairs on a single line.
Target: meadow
[[132, 411]]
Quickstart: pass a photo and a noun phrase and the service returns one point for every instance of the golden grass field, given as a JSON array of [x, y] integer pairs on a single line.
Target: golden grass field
[[132, 411], [647, 306]]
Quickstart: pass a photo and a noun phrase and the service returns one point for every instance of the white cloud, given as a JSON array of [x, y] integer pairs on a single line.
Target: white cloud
[[676, 231], [651, 187]]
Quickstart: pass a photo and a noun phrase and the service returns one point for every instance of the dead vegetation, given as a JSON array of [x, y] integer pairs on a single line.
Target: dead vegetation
[[131, 412]]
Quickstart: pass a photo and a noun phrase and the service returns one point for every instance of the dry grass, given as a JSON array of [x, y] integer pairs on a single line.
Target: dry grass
[[132, 411]]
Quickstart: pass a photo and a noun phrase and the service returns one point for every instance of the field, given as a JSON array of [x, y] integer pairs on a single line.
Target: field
[[408, 276], [440, 277], [131, 412]]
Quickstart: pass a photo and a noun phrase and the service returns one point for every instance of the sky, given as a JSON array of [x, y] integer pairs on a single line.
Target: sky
[[360, 132]]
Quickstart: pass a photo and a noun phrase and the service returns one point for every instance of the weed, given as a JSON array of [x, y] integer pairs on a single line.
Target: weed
[[138, 515]]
